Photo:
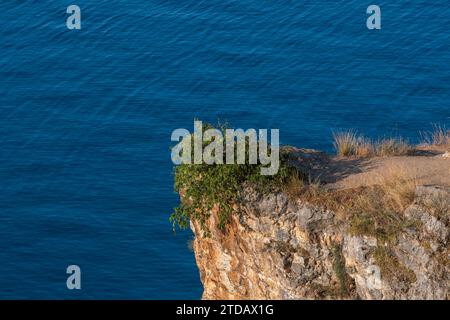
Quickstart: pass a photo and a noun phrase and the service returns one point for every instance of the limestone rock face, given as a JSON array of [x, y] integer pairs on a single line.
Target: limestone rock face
[[276, 248]]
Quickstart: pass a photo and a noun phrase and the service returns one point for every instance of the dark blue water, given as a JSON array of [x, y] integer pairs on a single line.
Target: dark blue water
[[86, 117]]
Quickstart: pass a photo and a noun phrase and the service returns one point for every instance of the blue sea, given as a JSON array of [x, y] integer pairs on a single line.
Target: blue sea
[[86, 118]]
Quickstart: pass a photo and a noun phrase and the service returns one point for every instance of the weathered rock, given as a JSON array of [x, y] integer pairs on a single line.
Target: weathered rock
[[277, 248]]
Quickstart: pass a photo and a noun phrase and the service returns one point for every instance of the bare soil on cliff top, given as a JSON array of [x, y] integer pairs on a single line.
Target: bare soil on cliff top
[[428, 166]]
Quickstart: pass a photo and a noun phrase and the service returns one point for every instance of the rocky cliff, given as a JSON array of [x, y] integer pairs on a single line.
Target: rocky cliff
[[282, 247]]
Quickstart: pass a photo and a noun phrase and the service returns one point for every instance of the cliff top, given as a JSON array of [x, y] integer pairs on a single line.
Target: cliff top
[[428, 166]]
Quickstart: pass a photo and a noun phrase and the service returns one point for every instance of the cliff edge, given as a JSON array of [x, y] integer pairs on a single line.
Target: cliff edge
[[365, 231]]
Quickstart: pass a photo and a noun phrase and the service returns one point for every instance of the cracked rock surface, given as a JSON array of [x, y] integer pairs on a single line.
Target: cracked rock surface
[[277, 248]]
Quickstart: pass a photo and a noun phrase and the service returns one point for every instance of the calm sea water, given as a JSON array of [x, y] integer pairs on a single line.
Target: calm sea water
[[86, 117]]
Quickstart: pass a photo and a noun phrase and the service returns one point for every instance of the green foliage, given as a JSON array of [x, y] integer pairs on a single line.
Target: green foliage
[[390, 267], [204, 187]]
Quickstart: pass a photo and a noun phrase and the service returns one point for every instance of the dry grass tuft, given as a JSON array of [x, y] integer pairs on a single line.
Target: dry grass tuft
[[392, 147], [365, 148], [399, 185], [345, 143], [348, 144], [440, 136]]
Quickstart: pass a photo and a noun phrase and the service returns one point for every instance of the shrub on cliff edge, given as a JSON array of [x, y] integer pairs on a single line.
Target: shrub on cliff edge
[[206, 186]]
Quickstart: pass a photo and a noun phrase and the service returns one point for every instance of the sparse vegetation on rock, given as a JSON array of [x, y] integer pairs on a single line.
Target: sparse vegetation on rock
[[204, 187], [300, 235]]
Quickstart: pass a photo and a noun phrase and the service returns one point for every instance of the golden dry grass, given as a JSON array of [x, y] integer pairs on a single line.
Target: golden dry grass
[[348, 144], [392, 147], [374, 209], [345, 143], [399, 184]]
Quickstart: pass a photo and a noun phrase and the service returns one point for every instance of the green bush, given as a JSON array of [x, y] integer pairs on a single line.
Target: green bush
[[204, 186]]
